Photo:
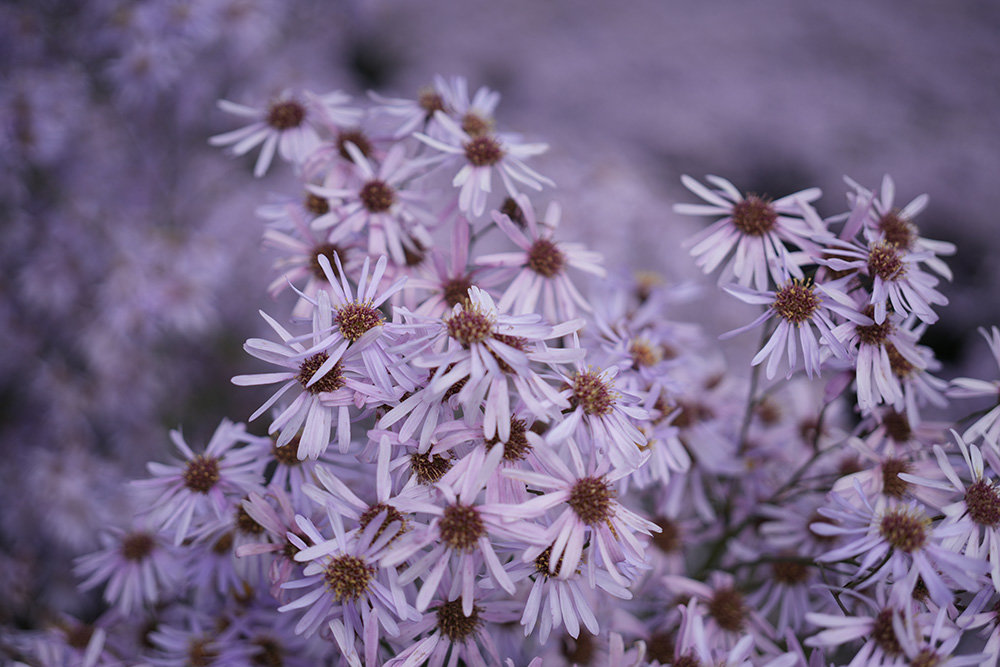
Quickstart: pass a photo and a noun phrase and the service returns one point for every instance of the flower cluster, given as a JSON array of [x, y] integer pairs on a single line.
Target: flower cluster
[[465, 458]]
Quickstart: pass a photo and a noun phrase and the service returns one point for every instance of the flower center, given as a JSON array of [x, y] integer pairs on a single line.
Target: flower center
[[545, 258], [454, 624], [892, 485], [590, 498], [456, 291], [516, 447], [728, 609], [884, 634], [391, 515], [137, 546], [201, 473], [461, 527], [332, 380], [789, 572], [926, 658], [513, 211], [983, 503], [517, 342], [897, 426], [592, 393], [348, 577], [201, 653], [687, 660], [796, 301], [246, 524], [884, 261], [430, 101], [904, 530], [327, 250], [377, 196], [897, 230], [475, 125], [356, 137], [874, 334], [429, 470], [644, 353], [355, 319], [469, 326], [901, 367], [668, 540], [286, 115], [316, 205], [223, 545], [483, 152], [754, 216], [543, 562], [288, 454]]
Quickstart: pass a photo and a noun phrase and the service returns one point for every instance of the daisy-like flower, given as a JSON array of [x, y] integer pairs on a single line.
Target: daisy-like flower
[[322, 371], [379, 201], [590, 522], [486, 356], [541, 265], [290, 126], [279, 527], [474, 114], [876, 214], [988, 425], [701, 644], [347, 591], [899, 543], [752, 232], [896, 277], [978, 511], [607, 413], [802, 309], [204, 485], [484, 154], [880, 633], [136, 566]]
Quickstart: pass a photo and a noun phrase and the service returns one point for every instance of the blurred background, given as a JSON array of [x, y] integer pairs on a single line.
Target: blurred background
[[130, 266]]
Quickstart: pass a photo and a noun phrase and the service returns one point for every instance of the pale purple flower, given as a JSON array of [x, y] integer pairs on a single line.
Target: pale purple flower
[[540, 265], [751, 231], [988, 425], [204, 485], [484, 154]]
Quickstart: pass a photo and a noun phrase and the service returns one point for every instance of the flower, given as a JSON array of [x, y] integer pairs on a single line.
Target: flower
[[483, 154], [988, 425], [289, 125], [752, 232], [542, 265]]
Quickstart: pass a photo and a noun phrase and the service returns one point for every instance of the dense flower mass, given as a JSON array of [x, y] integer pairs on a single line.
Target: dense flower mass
[[514, 447]]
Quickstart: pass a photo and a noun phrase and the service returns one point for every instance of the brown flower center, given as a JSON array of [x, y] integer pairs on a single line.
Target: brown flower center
[[137, 546], [429, 470], [874, 334], [475, 125], [316, 205], [377, 196], [454, 624], [590, 498], [545, 258], [754, 216], [286, 115], [356, 319], [983, 503], [668, 540], [592, 393], [201, 473], [904, 530], [897, 230], [884, 634], [348, 577], [796, 302], [892, 485], [517, 446], [884, 261], [456, 290], [469, 325], [461, 527], [328, 250], [391, 515], [483, 152], [513, 211], [728, 609], [897, 426], [356, 137], [332, 380]]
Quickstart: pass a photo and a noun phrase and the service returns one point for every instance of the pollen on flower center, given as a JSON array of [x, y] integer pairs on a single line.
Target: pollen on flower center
[[754, 216], [904, 530], [892, 485], [796, 301], [644, 353], [897, 230], [461, 527], [428, 470], [288, 454], [874, 334], [454, 624], [377, 196], [545, 258], [590, 498], [884, 261], [331, 381], [517, 446], [483, 152], [543, 562], [592, 393], [983, 503], [348, 577], [391, 515], [355, 319], [884, 634], [470, 325], [137, 546], [246, 523], [286, 115], [728, 609], [316, 205], [201, 473]]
